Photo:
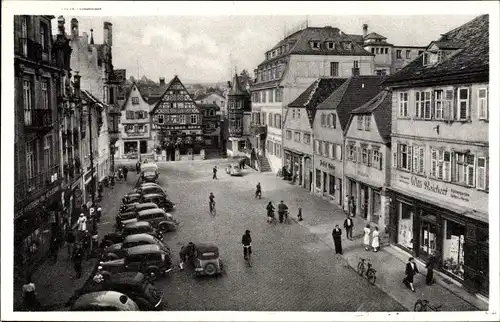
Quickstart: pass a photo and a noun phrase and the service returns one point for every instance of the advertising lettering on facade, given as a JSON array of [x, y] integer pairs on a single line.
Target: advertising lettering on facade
[[362, 174], [327, 165], [436, 188]]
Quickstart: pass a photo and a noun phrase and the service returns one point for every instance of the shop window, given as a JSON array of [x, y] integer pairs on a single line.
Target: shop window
[[318, 178], [376, 203], [331, 189], [428, 234], [405, 226], [453, 248], [325, 178]]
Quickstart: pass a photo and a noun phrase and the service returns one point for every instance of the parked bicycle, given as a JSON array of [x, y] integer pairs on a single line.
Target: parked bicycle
[[423, 305], [365, 269]]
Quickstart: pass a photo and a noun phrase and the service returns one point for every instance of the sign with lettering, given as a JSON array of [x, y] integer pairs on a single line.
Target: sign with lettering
[[362, 174], [326, 165]]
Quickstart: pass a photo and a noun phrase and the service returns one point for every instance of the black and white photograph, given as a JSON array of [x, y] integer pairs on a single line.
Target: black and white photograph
[[232, 161]]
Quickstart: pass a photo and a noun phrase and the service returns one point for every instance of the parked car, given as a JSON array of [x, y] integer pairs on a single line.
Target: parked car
[[140, 227], [149, 184], [149, 172], [134, 285], [118, 250], [158, 218], [205, 260], [104, 301], [144, 190], [162, 201], [133, 211], [233, 170], [147, 259], [131, 198], [127, 207]]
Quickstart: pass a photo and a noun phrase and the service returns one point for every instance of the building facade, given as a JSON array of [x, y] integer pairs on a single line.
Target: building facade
[[367, 158], [177, 122], [440, 151], [329, 125], [211, 125], [213, 98], [239, 115], [135, 125], [292, 65]]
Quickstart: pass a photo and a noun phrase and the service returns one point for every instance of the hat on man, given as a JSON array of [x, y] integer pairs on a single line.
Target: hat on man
[[81, 215]]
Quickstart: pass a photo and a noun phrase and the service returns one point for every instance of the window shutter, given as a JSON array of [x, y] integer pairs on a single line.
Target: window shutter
[[487, 173], [370, 158], [409, 157], [455, 104], [469, 90], [415, 158], [397, 162], [433, 100], [421, 160], [381, 163], [453, 167]]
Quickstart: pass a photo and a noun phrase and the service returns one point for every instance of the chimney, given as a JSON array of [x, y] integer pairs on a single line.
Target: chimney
[[74, 28], [108, 33], [162, 81], [365, 30]]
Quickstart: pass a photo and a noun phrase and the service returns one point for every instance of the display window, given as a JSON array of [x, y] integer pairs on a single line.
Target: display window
[[428, 234], [405, 225], [453, 248], [332, 185]]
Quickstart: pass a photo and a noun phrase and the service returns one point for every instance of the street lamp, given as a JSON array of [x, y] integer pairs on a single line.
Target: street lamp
[[114, 117]]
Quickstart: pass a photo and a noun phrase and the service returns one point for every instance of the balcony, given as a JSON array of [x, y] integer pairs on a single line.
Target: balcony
[[39, 120], [31, 49], [32, 188], [258, 129]]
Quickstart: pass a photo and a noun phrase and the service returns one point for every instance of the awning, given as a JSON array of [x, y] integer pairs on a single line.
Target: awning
[[299, 153], [366, 181], [470, 213]]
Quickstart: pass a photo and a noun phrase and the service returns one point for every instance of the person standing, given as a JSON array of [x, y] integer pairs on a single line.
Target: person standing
[[366, 240], [82, 222], [70, 242], [211, 201], [410, 271], [299, 214], [375, 240], [125, 172], [337, 241], [138, 167], [214, 177], [349, 226], [258, 192], [77, 261], [29, 295], [282, 208], [246, 240], [431, 264], [270, 211]]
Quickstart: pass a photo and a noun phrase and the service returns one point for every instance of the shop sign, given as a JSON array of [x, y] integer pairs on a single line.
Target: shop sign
[[326, 165], [362, 174], [434, 187]]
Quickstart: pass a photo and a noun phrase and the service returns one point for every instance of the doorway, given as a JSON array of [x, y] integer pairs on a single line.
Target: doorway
[[143, 147]]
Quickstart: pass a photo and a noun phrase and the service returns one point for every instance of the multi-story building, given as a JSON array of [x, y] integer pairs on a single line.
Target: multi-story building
[[298, 139], [440, 155], [213, 98], [329, 125], [177, 122], [389, 58], [135, 125], [211, 124], [296, 62], [39, 79], [367, 158], [239, 114]]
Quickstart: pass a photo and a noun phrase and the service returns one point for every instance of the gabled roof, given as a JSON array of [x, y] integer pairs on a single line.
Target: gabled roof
[[315, 94], [374, 35], [381, 108], [130, 91], [236, 88], [471, 59], [172, 81], [353, 93]]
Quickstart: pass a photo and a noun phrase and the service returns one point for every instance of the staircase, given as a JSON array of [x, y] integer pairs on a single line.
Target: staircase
[[264, 164]]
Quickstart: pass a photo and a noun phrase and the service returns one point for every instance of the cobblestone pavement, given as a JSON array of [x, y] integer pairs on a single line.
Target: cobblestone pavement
[[293, 269]]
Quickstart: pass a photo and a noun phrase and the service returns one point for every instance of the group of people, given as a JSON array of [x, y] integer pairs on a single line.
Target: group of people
[[349, 227], [282, 211]]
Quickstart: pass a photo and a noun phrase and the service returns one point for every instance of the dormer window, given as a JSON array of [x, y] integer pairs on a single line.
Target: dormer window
[[330, 45], [431, 58], [315, 44], [348, 45]]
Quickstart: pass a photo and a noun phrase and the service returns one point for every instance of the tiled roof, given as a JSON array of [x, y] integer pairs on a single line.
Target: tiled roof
[[374, 35], [381, 107], [315, 94], [356, 91], [472, 58], [87, 96], [208, 105], [129, 92], [357, 38]]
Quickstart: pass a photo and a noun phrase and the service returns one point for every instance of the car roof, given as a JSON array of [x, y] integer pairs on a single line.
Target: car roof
[[151, 211], [104, 297], [151, 195], [138, 237], [137, 224], [146, 205], [207, 248], [152, 248], [149, 184]]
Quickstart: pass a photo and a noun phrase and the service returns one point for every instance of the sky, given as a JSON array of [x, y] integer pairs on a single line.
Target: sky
[[209, 48]]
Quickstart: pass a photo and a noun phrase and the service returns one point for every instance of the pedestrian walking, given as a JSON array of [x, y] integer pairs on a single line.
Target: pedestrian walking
[[282, 208], [82, 222], [299, 214], [53, 248], [375, 240], [353, 207], [214, 177], [410, 271], [77, 261], [30, 301], [270, 212], [138, 167], [349, 226], [430, 265], [337, 235], [125, 172], [70, 242], [366, 240]]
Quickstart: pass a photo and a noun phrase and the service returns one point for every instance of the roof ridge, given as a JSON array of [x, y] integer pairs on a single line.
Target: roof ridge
[[311, 94]]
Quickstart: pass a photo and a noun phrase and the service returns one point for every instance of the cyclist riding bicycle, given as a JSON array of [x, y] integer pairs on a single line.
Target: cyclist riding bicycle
[[246, 240], [211, 202], [258, 192]]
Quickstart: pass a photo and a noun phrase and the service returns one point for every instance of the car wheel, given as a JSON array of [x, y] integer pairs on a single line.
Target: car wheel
[[153, 273], [210, 269], [109, 257]]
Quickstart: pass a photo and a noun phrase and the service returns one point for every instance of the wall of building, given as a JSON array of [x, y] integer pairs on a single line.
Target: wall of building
[[398, 63], [381, 59], [301, 125]]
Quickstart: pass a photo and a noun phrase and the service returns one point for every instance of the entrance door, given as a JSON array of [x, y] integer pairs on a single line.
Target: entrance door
[[364, 201], [144, 147]]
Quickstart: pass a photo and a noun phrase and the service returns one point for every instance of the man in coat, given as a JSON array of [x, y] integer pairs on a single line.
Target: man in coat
[[337, 235], [430, 265], [410, 271], [349, 226]]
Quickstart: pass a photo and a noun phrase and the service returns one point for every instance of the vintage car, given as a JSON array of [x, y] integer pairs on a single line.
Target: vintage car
[[205, 259], [132, 197], [134, 285], [233, 170], [147, 259], [157, 217], [140, 227], [118, 250], [144, 190], [133, 211], [149, 172], [162, 201], [104, 301]]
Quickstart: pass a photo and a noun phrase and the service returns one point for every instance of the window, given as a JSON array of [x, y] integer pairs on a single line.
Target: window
[[318, 178], [27, 101], [298, 113], [278, 95], [386, 50], [438, 104], [325, 149], [182, 119], [398, 54], [264, 96], [330, 149], [348, 45], [288, 135], [418, 159], [331, 45], [278, 121], [194, 119], [315, 44], [334, 69], [129, 115], [360, 122], [129, 128], [404, 157], [482, 103], [135, 100], [423, 104], [316, 146], [47, 151], [440, 164], [377, 50], [160, 119], [381, 72], [24, 35], [293, 113], [408, 54], [463, 104], [338, 152], [296, 136], [465, 169], [334, 120], [376, 158], [270, 119], [43, 36], [323, 120], [355, 64], [307, 138], [364, 158], [373, 50], [271, 96], [482, 174], [403, 104], [329, 120], [320, 147], [140, 128], [45, 94], [367, 122], [30, 159]]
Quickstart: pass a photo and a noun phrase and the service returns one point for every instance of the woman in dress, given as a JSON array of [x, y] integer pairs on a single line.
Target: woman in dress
[[366, 240], [375, 240]]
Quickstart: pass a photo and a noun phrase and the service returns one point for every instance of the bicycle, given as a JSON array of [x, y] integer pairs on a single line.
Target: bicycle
[[272, 219], [422, 305], [258, 194], [368, 271]]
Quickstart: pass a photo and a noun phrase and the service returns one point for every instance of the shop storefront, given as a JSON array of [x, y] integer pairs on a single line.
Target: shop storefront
[[294, 162], [328, 179]]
